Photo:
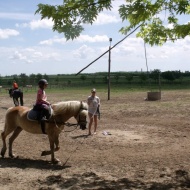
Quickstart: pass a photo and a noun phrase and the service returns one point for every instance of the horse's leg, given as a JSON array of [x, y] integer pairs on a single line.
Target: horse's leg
[[11, 140], [7, 130], [15, 100], [57, 147], [4, 148], [21, 99], [52, 150], [52, 141]]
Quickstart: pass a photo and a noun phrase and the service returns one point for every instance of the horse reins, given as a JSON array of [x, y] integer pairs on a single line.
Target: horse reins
[[66, 124]]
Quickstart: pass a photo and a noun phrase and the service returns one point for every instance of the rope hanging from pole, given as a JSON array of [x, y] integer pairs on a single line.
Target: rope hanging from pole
[[146, 63]]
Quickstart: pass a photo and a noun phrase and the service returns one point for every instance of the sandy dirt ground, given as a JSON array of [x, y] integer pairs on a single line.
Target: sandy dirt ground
[[148, 147]]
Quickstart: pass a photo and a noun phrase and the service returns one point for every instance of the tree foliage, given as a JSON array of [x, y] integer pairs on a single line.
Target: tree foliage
[[23, 78], [83, 77], [155, 74], [69, 17], [159, 20], [129, 77], [171, 75], [143, 76]]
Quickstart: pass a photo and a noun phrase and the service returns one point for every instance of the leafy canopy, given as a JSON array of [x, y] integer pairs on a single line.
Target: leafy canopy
[[159, 19]]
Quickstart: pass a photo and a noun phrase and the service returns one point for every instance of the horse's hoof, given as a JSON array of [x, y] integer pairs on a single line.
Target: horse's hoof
[[57, 148], [2, 154], [56, 161], [12, 156], [44, 153]]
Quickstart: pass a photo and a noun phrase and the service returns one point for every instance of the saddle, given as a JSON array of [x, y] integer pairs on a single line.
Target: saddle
[[34, 115]]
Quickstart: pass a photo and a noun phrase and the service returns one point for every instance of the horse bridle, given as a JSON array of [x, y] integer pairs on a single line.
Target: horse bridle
[[79, 120]]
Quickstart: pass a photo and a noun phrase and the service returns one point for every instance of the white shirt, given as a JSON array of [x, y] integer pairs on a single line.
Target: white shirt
[[93, 103]]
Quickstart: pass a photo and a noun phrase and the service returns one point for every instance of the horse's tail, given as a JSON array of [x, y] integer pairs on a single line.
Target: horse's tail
[[6, 117], [11, 115], [21, 93]]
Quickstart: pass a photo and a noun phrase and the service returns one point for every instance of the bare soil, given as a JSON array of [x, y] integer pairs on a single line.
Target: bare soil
[[148, 147]]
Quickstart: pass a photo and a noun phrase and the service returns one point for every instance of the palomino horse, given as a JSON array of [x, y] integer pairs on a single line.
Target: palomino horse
[[16, 121], [16, 94]]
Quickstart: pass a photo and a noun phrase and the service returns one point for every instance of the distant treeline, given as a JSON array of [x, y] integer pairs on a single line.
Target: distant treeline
[[99, 78]]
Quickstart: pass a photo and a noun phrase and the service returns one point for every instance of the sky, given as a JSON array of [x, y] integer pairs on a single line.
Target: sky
[[29, 45]]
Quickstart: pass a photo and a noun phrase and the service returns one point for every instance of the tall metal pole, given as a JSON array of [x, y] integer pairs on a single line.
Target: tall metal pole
[[109, 68]]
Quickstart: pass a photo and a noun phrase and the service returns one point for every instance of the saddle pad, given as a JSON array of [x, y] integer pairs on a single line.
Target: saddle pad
[[32, 115]]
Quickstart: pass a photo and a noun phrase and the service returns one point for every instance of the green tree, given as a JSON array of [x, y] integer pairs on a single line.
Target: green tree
[[9, 82], [38, 77], [57, 79], [16, 78], [32, 78], [69, 82], [70, 17], [155, 74], [168, 75], [143, 77], [186, 74], [46, 77], [83, 77], [0, 80], [129, 77], [116, 77], [105, 79], [24, 79], [177, 74]]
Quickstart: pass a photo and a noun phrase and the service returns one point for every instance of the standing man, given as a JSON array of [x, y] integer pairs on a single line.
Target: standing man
[[93, 102]]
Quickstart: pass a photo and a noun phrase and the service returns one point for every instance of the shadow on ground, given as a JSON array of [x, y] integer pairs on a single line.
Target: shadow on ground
[[91, 180], [4, 108], [29, 163]]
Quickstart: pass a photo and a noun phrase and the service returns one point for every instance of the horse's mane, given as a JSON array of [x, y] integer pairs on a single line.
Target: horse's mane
[[68, 106]]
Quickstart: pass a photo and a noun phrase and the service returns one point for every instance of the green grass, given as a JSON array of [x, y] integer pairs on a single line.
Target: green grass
[[114, 88]]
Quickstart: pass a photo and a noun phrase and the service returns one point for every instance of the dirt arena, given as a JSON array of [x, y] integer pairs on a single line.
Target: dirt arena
[[148, 147]]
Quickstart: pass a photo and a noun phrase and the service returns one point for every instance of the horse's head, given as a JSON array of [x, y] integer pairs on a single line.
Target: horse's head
[[82, 116], [11, 92], [62, 111]]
